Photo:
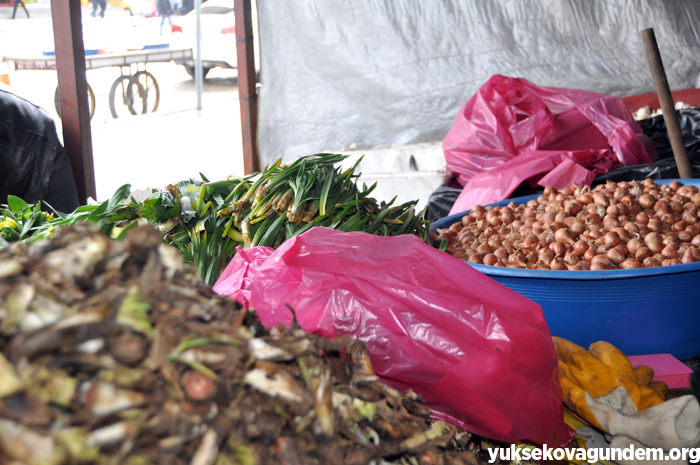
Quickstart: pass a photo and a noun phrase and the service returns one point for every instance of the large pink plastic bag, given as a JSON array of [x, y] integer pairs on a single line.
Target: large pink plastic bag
[[480, 354], [509, 117]]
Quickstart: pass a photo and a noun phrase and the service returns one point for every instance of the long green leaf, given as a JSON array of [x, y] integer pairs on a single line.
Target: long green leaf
[[324, 192]]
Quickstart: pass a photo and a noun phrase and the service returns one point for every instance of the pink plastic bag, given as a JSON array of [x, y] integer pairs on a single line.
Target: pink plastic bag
[[560, 168], [236, 280], [480, 354], [511, 117]]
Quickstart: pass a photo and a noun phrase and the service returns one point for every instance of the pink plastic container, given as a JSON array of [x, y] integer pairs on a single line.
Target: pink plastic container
[[667, 368]]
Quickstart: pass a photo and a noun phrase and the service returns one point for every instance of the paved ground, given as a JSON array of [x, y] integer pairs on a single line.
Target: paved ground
[[176, 142]]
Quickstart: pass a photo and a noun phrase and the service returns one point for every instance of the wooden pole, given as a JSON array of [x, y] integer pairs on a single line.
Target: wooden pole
[[667, 106], [247, 93], [72, 89]]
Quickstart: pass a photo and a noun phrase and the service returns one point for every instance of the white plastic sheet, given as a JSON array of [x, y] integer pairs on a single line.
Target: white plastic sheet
[[368, 73]]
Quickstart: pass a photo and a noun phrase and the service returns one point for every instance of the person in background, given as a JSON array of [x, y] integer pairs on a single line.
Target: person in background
[[164, 11], [14, 9], [95, 5], [33, 163], [103, 6]]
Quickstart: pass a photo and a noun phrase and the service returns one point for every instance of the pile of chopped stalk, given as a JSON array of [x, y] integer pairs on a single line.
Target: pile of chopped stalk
[[114, 353], [206, 220]]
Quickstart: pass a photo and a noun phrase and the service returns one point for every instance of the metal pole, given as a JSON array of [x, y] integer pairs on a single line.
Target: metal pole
[[667, 106], [72, 90], [198, 78]]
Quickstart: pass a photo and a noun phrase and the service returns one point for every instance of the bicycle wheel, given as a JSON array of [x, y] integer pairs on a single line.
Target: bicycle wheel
[[127, 97], [149, 83], [91, 102]]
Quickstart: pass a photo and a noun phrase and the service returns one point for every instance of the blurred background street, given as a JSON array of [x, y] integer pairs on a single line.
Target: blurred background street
[[147, 151]]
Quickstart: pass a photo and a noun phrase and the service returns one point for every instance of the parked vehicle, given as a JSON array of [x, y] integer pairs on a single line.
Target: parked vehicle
[[218, 36], [134, 7]]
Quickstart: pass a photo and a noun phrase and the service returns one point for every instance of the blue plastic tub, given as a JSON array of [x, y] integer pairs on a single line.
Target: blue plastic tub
[[640, 311]]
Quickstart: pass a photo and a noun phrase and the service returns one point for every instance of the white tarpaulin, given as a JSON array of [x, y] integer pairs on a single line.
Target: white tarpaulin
[[367, 73]]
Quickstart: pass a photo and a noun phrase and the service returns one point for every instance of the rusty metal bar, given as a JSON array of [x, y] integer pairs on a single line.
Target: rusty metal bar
[[108, 59], [72, 89], [247, 92], [667, 107]]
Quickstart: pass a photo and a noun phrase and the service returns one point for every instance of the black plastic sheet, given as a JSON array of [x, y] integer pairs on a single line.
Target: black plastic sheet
[[662, 169], [665, 167], [655, 128]]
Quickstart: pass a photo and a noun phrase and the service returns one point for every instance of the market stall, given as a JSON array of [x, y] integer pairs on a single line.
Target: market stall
[[143, 361]]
